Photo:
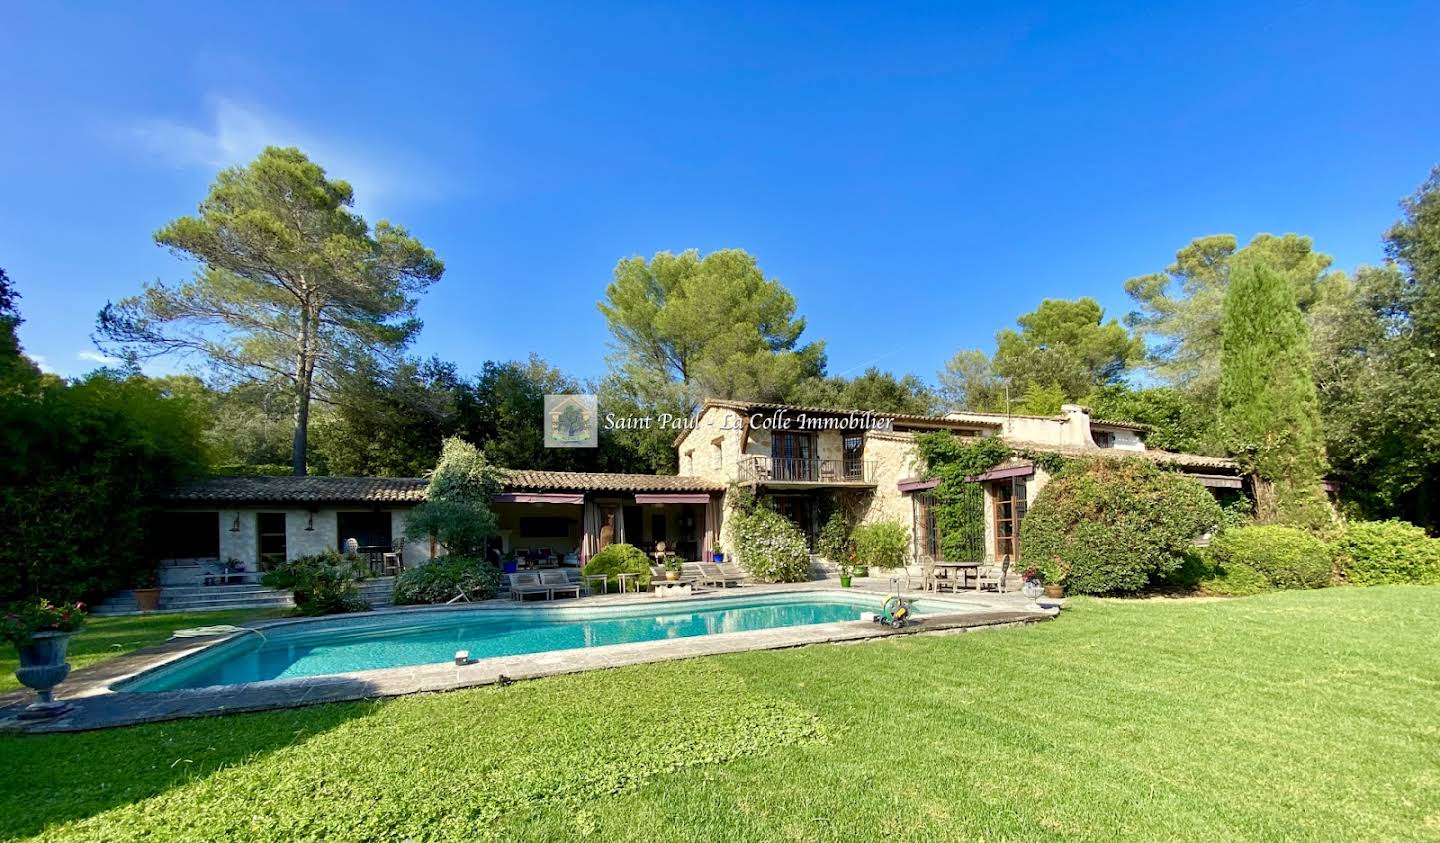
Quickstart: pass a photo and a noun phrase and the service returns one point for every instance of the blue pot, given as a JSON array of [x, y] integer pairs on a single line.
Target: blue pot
[[511, 567]]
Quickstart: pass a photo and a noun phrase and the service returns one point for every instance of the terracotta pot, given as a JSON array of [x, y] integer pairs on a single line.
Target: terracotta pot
[[147, 599], [1054, 591]]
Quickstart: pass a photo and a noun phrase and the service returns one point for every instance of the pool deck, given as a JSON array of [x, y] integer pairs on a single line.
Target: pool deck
[[95, 706]]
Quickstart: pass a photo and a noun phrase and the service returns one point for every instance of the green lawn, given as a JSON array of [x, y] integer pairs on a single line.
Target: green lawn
[[106, 637], [1286, 716]]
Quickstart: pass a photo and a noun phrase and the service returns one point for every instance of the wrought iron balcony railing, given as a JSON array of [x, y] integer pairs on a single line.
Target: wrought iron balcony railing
[[761, 469]]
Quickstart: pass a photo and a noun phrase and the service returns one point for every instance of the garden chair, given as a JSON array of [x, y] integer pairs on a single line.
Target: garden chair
[[733, 572], [711, 574], [559, 583], [528, 583], [927, 573], [993, 575]]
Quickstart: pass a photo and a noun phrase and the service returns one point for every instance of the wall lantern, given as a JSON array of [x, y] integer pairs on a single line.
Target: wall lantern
[[310, 522], [235, 528]]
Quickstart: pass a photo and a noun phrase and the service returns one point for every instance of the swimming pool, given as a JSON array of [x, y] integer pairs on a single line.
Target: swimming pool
[[403, 639]]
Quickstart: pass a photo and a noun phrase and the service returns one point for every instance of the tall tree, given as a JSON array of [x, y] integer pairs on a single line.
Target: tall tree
[[688, 327], [293, 284], [969, 382], [1176, 422], [1269, 411], [1067, 343], [1179, 310], [872, 390], [1378, 368]]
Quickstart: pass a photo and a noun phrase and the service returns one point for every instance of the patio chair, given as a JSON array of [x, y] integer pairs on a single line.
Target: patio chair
[[993, 575], [927, 573], [733, 572], [523, 584], [711, 574], [559, 584]]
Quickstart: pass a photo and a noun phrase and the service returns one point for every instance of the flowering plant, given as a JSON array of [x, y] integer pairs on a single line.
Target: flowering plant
[[22, 621], [1033, 573]]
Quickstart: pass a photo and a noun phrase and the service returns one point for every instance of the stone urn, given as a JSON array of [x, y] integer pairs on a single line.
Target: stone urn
[[1032, 589], [42, 667]]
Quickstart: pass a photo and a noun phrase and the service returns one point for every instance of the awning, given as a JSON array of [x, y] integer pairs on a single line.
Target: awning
[[540, 497], [1008, 471], [1219, 481], [917, 485], [673, 497]]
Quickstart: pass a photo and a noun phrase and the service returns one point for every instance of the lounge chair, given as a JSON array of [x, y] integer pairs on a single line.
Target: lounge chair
[[734, 573], [712, 575], [559, 583], [524, 584]]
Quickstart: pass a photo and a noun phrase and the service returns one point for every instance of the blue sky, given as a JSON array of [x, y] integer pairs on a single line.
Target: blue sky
[[917, 174]]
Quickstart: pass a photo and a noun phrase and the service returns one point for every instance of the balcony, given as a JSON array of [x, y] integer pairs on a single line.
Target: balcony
[[776, 471]]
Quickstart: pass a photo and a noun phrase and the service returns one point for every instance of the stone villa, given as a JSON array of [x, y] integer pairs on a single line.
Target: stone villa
[[801, 459]]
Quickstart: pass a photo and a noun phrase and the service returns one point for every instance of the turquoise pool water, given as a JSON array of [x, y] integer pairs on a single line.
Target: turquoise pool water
[[319, 647]]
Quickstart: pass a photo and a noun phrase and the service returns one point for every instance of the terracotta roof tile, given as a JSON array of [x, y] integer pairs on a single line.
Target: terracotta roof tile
[[411, 490]]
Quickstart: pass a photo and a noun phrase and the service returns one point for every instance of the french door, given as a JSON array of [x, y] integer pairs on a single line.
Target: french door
[[792, 456]]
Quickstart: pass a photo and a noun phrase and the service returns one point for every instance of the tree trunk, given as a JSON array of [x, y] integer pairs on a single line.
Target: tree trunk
[[304, 375]]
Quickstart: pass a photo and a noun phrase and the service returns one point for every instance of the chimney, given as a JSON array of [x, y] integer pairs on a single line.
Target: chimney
[[1076, 432]]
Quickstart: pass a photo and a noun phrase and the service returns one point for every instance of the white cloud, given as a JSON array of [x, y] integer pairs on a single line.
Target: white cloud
[[237, 132], [97, 357]]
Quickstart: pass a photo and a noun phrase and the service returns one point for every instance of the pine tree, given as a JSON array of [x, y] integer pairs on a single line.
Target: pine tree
[[1269, 412]]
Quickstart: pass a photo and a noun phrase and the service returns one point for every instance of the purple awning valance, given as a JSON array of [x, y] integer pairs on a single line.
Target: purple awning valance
[[1003, 473], [917, 485], [673, 497], [576, 499]]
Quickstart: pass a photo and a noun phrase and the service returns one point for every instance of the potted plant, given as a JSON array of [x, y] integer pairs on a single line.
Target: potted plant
[[1056, 589], [41, 634], [147, 591], [847, 569], [672, 568]]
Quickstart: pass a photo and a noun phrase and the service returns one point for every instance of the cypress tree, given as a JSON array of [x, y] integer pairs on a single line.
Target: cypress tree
[[1269, 411]]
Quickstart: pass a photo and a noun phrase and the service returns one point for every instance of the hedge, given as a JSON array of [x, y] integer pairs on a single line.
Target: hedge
[[1387, 552], [1110, 525], [440, 580], [1283, 557]]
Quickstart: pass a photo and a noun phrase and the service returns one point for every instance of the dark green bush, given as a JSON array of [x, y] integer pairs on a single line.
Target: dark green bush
[[441, 580], [323, 584], [1112, 525], [1285, 557], [1387, 552], [834, 542], [620, 559], [1233, 581]]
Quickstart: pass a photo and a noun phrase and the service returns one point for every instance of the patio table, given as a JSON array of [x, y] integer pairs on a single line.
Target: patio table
[[964, 571], [588, 579], [632, 579]]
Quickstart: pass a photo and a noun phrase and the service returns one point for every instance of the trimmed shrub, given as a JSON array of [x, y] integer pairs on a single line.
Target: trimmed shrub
[[884, 544], [835, 542], [440, 580], [772, 548], [1109, 525], [1234, 581], [1285, 557], [1388, 552], [620, 559], [323, 584]]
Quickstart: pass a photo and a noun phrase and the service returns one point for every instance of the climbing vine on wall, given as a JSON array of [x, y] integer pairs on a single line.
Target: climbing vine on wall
[[959, 505]]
